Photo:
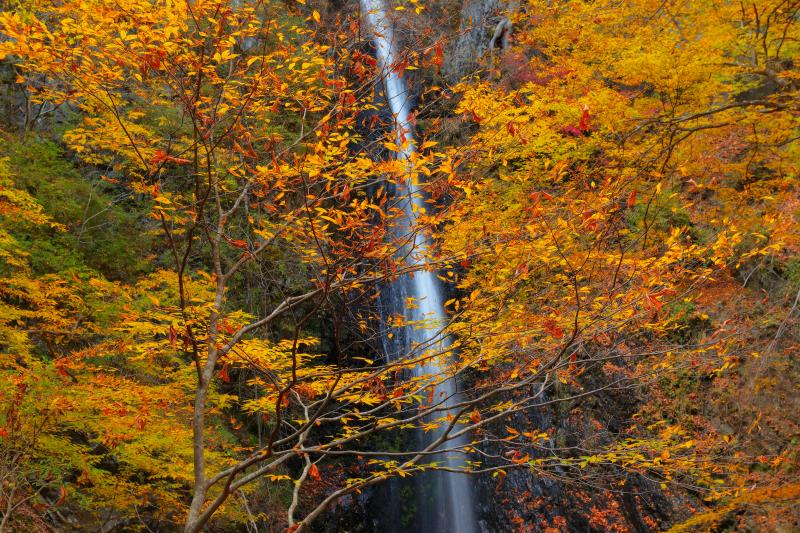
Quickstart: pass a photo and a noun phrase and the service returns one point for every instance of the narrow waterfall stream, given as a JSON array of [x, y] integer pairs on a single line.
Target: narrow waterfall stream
[[449, 506]]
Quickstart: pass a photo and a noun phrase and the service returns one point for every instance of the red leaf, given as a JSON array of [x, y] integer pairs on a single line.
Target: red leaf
[[223, 373], [159, 157], [313, 473], [400, 67], [665, 292], [653, 301], [631, 199], [552, 328], [438, 54], [589, 221], [585, 123]]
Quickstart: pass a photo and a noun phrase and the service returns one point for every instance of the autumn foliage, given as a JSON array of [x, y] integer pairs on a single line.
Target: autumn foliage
[[199, 221]]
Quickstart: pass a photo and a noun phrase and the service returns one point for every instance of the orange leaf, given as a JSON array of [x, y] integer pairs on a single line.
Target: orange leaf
[[632, 199], [62, 496], [223, 373], [159, 157], [552, 328], [475, 416], [173, 336], [179, 160]]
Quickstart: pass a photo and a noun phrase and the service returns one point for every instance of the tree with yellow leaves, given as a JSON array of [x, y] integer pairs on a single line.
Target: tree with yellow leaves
[[238, 131]]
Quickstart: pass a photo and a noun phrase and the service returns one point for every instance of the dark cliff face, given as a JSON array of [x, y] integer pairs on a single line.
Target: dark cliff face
[[564, 498], [522, 501], [526, 500], [477, 24]]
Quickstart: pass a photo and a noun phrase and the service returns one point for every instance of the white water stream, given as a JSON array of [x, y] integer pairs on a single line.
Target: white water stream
[[450, 508]]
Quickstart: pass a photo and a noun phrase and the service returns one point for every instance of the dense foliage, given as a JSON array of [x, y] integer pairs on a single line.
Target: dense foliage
[[198, 213]]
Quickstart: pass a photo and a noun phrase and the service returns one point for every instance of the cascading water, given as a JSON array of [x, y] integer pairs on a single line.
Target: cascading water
[[449, 508]]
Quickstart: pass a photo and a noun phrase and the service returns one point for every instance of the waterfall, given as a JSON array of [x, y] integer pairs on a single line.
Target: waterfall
[[450, 507]]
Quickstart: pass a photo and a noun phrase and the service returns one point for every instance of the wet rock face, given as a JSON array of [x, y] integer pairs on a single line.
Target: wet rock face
[[532, 503], [476, 30], [389, 507], [527, 501], [567, 499]]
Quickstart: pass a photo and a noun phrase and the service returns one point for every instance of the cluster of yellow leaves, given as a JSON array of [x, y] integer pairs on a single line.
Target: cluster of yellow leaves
[[71, 399], [633, 152]]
